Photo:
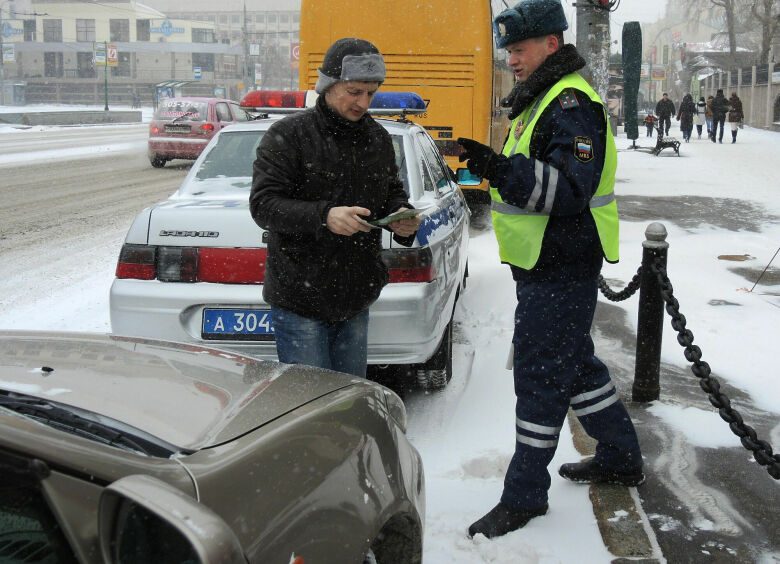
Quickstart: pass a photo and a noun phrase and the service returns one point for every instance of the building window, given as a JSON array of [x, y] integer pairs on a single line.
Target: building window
[[120, 30], [284, 35], [142, 30], [52, 31], [284, 18], [235, 19], [85, 30], [123, 65], [296, 18], [223, 19], [200, 35], [52, 64], [85, 66], [29, 30], [203, 60], [260, 18], [271, 18]]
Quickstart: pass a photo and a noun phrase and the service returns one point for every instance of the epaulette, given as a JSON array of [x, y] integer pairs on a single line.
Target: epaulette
[[568, 99]]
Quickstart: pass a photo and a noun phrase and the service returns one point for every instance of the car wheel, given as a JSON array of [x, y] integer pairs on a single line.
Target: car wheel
[[436, 372], [158, 161]]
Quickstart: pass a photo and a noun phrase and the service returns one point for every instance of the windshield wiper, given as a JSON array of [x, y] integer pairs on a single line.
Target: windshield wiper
[[86, 424], [185, 114]]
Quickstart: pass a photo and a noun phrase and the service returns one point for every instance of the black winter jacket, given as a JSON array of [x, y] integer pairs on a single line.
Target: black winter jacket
[[306, 164], [719, 106], [664, 108]]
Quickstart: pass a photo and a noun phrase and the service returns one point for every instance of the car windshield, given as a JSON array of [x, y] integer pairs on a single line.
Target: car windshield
[[182, 110], [227, 165]]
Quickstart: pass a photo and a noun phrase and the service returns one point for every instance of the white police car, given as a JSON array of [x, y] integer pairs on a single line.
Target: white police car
[[191, 267]]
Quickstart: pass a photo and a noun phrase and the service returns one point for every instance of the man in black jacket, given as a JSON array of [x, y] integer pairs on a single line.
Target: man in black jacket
[[319, 175], [720, 107], [665, 110]]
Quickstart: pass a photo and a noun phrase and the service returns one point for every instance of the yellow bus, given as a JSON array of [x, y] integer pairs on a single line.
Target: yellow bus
[[442, 50]]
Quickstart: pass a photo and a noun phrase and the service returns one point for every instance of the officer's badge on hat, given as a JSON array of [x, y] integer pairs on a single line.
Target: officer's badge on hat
[[529, 18], [583, 149], [350, 59]]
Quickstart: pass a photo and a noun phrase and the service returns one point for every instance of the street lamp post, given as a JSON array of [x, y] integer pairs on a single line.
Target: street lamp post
[[2, 55]]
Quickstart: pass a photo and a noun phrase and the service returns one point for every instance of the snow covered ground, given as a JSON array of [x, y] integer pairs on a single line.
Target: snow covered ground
[[726, 201]]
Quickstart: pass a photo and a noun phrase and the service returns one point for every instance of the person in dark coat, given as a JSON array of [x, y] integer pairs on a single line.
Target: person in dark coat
[[685, 116], [701, 115], [318, 176], [664, 109], [720, 107], [736, 115], [556, 220]]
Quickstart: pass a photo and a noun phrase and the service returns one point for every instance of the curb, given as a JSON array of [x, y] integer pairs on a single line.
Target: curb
[[620, 517]]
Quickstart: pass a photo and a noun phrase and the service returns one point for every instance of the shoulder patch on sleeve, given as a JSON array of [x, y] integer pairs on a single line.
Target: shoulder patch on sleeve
[[568, 99], [583, 149]]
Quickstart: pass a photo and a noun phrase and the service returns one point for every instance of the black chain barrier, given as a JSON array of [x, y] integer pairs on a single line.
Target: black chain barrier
[[625, 293], [762, 450]]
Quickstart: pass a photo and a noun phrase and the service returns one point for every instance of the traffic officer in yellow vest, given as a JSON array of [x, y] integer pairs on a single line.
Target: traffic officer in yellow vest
[[555, 218]]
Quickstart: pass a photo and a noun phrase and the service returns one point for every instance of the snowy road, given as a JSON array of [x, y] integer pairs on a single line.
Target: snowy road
[[61, 233]]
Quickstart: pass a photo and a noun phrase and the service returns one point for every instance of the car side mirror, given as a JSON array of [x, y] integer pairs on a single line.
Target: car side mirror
[[467, 178], [143, 519]]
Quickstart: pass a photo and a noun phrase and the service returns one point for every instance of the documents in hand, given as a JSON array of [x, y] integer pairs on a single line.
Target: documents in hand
[[402, 214]]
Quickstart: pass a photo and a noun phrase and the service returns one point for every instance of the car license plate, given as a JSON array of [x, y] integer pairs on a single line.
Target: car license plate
[[237, 324], [177, 129]]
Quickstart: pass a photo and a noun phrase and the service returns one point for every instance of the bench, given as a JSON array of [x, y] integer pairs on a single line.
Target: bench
[[664, 142]]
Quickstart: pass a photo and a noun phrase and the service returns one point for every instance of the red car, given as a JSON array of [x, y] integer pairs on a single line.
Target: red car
[[182, 127]]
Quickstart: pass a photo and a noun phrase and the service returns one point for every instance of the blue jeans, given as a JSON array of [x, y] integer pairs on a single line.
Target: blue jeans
[[335, 345]]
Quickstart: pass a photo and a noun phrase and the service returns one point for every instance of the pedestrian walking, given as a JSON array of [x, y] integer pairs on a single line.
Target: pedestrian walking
[[735, 115], [701, 115], [664, 109], [556, 219], [720, 107], [318, 175], [650, 123], [708, 115], [685, 116]]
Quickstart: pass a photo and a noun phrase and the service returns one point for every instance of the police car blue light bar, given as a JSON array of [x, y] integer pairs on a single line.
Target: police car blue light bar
[[287, 101]]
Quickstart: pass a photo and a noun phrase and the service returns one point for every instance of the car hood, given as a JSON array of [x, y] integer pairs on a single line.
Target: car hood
[[204, 222], [189, 396]]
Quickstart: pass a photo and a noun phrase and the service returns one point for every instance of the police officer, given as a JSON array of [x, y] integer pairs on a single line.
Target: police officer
[[556, 219]]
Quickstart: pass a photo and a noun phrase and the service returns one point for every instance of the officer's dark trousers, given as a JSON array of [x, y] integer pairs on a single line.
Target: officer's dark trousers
[[554, 368]]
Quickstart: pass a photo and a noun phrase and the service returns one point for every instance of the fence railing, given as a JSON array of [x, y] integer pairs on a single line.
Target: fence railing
[[655, 290]]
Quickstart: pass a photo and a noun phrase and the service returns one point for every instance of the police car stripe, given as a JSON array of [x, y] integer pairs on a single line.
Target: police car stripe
[[592, 394], [603, 404], [536, 442], [541, 429]]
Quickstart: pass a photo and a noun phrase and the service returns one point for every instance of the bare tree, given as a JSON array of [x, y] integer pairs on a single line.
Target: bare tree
[[729, 9], [767, 12]]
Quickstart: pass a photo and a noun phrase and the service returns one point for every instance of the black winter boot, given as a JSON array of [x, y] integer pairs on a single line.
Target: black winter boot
[[733, 136], [589, 472], [502, 520]]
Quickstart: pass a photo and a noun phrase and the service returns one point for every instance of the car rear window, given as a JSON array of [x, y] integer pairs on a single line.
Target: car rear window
[[184, 110], [233, 155]]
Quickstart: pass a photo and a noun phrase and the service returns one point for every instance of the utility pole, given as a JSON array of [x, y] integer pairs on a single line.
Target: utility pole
[[593, 42], [245, 36]]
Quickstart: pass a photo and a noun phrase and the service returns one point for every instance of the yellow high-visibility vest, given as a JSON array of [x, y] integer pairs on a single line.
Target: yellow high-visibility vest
[[520, 231]]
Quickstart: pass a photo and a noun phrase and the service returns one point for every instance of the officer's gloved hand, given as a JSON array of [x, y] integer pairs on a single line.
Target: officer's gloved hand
[[482, 160]]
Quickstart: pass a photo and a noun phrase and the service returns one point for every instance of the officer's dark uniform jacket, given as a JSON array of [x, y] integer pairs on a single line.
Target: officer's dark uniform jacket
[[306, 164], [571, 248]]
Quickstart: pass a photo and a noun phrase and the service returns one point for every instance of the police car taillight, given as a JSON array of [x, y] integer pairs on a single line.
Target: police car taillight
[[409, 265], [192, 264]]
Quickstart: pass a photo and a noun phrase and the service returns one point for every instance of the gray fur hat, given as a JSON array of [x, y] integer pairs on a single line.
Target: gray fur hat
[[529, 18], [350, 59]]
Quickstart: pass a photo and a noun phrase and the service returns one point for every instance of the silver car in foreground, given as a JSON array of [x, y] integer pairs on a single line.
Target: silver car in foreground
[[192, 266], [117, 449]]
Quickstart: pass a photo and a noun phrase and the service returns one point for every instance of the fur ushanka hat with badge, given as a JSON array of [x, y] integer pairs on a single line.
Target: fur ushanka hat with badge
[[350, 59], [527, 19]]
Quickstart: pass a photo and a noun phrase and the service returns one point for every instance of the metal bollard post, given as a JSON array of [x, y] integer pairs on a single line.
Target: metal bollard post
[[650, 326]]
